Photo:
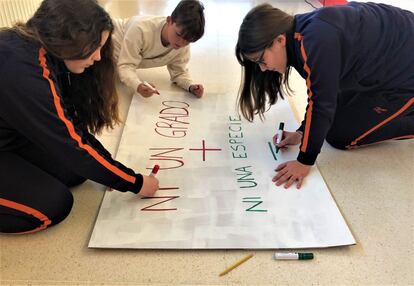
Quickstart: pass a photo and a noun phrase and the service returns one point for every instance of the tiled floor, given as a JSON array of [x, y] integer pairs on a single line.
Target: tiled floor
[[373, 187]]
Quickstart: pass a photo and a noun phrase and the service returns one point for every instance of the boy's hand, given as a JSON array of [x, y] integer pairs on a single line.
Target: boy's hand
[[197, 90], [145, 90]]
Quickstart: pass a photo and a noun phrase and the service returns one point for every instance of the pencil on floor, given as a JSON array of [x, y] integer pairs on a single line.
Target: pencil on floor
[[236, 264]]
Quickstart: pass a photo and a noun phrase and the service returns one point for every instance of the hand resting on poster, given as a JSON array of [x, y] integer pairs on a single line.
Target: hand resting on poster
[[197, 90], [291, 171]]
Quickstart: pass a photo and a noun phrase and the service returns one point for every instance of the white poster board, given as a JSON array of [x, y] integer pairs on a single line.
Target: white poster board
[[216, 189]]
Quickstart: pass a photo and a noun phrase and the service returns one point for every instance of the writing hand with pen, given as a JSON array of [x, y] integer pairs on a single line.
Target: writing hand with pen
[[150, 184], [289, 172], [147, 89]]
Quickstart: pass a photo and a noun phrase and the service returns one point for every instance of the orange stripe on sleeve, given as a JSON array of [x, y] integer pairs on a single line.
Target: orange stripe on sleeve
[[306, 131], [30, 211], [70, 127], [405, 106]]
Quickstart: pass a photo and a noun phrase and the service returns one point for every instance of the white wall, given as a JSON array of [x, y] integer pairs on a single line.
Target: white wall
[[12, 11]]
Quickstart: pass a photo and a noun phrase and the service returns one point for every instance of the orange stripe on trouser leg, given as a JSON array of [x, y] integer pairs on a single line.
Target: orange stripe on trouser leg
[[30, 211], [405, 107]]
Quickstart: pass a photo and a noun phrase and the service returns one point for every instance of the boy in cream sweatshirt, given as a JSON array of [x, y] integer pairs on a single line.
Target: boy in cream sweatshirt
[[150, 41]]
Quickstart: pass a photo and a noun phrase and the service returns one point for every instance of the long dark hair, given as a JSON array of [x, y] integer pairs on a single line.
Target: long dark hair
[[258, 30], [72, 29]]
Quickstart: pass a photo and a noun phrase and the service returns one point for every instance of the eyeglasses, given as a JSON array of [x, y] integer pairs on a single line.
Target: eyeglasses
[[260, 60]]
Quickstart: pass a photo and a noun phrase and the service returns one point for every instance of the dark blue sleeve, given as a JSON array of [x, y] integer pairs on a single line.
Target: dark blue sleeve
[[320, 47], [31, 104]]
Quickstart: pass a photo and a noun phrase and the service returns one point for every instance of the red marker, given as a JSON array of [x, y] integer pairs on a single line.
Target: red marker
[[155, 170]]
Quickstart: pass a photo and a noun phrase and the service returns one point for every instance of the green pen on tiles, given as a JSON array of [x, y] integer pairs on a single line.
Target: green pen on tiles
[[293, 256]]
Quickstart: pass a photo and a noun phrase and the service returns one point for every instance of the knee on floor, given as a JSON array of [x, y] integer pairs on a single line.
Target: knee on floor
[[337, 143], [21, 218]]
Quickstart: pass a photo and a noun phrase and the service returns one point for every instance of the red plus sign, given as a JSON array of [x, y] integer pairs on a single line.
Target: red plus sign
[[204, 149]]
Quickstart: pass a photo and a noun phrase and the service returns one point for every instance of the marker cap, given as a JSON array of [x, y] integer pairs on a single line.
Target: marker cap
[[155, 169], [305, 256]]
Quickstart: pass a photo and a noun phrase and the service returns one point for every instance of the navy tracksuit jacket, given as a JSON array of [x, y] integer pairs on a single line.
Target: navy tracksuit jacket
[[34, 111], [44, 147], [358, 62]]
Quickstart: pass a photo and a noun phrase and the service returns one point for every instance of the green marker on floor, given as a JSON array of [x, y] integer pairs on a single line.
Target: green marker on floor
[[293, 256]]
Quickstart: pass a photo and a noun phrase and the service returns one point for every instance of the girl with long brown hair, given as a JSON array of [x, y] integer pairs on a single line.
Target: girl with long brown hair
[[57, 91]]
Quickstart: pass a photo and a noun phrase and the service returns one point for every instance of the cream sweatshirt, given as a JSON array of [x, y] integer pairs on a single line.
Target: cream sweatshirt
[[137, 45]]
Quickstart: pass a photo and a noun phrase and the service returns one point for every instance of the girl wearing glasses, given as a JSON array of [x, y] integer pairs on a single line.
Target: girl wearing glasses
[[358, 63]]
